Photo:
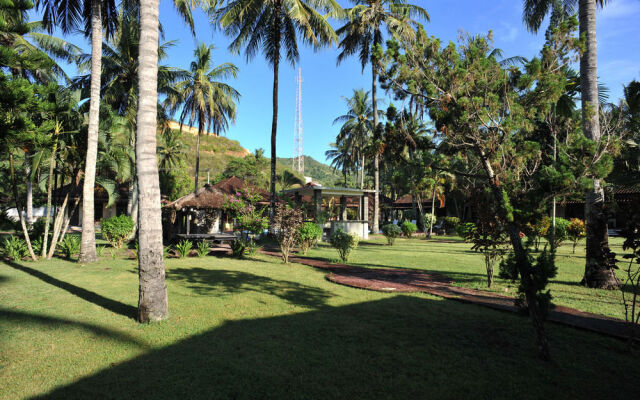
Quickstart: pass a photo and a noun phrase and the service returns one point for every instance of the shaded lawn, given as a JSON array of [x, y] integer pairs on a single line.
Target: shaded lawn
[[261, 329], [467, 269]]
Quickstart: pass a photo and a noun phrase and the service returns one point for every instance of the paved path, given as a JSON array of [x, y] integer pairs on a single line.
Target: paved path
[[407, 281]]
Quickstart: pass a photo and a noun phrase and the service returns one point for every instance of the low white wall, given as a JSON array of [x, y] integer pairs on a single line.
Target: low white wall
[[360, 228]]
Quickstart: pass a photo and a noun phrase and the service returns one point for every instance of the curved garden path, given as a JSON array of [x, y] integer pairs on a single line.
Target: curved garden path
[[411, 281]]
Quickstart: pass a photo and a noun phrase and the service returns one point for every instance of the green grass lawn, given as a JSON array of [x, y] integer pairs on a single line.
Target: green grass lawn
[[466, 267], [262, 329]]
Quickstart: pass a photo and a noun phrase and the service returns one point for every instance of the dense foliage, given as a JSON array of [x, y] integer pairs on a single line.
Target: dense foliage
[[117, 229], [308, 235], [391, 232], [344, 243]]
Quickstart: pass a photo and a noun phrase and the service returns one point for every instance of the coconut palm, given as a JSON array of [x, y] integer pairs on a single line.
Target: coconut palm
[[357, 128], [153, 304], [203, 98], [599, 269], [273, 26], [340, 156], [362, 34]]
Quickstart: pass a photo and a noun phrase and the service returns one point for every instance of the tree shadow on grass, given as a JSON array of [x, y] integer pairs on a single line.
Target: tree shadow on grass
[[87, 295], [43, 321], [211, 282], [399, 347]]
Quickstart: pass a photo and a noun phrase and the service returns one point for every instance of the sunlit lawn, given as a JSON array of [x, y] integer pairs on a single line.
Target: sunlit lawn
[[452, 257], [262, 329]]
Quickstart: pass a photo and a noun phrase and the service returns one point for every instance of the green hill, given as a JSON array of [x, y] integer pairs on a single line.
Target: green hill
[[319, 172]]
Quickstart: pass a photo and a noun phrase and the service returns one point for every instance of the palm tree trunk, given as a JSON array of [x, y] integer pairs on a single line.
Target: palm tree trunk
[[274, 121], [599, 271], [88, 246], [29, 205], [433, 210], [57, 226], [52, 164], [200, 129], [132, 206], [376, 157], [14, 184], [362, 173], [153, 304]]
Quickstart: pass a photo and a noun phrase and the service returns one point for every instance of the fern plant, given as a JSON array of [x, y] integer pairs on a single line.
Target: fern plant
[[70, 246], [203, 248], [183, 248], [15, 248]]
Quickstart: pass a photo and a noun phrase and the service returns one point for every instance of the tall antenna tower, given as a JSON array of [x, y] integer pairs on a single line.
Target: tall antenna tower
[[297, 162]]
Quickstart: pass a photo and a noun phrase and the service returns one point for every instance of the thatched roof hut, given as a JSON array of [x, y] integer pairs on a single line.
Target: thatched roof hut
[[213, 196]]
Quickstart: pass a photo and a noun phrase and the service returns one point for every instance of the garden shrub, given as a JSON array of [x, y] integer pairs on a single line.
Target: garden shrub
[[203, 248], [429, 220], [70, 246], [537, 230], [15, 248], [465, 230], [308, 235], [451, 224], [408, 228], [561, 232], [344, 242], [576, 230], [286, 223], [183, 248], [391, 232], [238, 248], [116, 230]]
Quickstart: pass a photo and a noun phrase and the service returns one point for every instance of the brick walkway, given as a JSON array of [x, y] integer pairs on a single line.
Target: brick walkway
[[407, 281]]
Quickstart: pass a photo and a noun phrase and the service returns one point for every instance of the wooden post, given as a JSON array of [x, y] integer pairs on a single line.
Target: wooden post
[[188, 222]]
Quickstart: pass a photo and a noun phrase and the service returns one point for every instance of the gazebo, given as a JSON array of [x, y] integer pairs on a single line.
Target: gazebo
[[314, 193]]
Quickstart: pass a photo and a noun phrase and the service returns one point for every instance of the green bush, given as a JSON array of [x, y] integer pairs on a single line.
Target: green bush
[[238, 248], [408, 228], [15, 248], [117, 229], [183, 248], [391, 232], [451, 224], [203, 248], [576, 230], [561, 232], [70, 246], [343, 242], [100, 250], [428, 220], [465, 230], [308, 235]]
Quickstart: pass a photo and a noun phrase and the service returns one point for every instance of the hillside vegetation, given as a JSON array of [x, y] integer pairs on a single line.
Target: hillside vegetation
[[321, 173]]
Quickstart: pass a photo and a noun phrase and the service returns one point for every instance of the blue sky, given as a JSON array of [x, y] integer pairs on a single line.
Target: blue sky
[[325, 84]]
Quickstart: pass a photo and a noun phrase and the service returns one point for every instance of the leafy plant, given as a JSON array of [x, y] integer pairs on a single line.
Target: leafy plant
[[428, 219], [166, 251], [203, 248], [391, 232], [15, 248], [114, 253], [408, 228], [308, 235], [100, 250], [70, 246], [344, 242], [465, 229], [238, 248], [37, 245], [561, 233], [451, 224], [252, 248], [576, 230], [286, 223], [537, 230], [117, 229], [631, 282], [183, 248]]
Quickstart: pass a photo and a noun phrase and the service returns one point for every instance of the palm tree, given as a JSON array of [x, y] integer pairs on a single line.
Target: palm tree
[[599, 269], [203, 99], [273, 25], [171, 150], [96, 15], [340, 157], [357, 129], [362, 34], [153, 304]]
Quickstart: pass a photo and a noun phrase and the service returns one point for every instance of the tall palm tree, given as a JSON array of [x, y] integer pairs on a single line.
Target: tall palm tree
[[95, 15], [357, 128], [153, 303], [362, 34], [203, 98], [599, 269], [273, 26]]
